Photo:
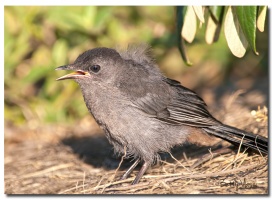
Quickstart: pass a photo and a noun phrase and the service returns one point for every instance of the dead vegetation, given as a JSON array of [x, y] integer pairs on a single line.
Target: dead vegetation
[[79, 160]]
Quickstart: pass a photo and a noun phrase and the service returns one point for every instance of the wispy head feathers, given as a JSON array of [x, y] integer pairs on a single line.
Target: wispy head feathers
[[139, 53]]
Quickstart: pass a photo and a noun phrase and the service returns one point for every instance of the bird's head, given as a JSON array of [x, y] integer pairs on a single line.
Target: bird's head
[[96, 65]]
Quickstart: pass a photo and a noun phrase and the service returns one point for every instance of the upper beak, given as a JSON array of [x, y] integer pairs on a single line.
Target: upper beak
[[75, 74]]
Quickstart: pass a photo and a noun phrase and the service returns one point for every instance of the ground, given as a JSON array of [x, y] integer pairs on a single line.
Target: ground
[[77, 159]]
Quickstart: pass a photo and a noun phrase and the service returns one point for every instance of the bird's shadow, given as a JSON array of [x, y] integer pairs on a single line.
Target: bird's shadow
[[95, 150]]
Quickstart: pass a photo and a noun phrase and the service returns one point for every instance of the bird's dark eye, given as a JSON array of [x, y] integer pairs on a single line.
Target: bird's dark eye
[[94, 68]]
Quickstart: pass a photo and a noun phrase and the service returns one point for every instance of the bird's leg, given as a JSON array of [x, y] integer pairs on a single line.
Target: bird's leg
[[141, 172], [128, 172]]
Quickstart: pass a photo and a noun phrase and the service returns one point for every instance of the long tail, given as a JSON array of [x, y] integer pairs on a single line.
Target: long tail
[[237, 136]]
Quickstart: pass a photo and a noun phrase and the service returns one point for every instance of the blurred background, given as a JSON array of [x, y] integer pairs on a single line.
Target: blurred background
[[39, 39]]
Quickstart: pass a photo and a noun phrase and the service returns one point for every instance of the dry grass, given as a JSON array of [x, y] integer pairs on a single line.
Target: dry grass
[[48, 161]]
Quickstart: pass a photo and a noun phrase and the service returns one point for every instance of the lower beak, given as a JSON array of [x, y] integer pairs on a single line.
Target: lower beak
[[73, 75]]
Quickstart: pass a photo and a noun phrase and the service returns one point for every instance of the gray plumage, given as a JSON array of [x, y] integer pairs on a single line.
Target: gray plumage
[[140, 109]]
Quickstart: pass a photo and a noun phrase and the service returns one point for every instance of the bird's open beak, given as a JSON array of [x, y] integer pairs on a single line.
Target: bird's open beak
[[73, 75]]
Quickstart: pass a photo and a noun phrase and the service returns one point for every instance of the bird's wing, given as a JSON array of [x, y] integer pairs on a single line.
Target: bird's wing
[[187, 108], [174, 104]]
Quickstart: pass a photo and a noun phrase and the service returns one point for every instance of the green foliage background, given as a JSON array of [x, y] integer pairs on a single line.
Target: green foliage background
[[39, 39]]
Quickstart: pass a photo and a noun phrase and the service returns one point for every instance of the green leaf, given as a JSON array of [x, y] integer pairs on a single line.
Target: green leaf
[[216, 13], [234, 35], [246, 16], [181, 10]]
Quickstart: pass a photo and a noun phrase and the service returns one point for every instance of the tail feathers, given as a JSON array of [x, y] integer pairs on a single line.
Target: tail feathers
[[238, 136]]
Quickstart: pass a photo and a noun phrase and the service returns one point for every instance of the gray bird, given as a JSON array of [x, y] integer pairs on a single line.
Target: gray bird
[[141, 111]]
